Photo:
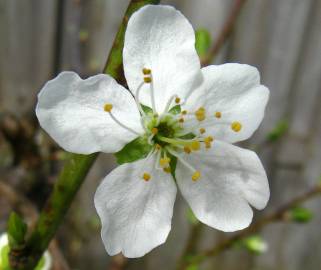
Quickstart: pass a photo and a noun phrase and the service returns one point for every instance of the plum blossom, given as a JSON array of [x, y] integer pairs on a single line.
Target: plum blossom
[[186, 116]]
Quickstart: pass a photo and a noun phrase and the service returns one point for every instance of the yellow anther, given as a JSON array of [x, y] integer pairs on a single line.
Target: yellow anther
[[200, 114], [196, 175], [108, 107], [218, 114], [146, 176], [146, 71], [208, 145], [147, 79], [157, 146], [154, 130], [184, 112], [195, 145], [187, 150], [201, 109], [202, 130], [163, 162], [167, 170], [181, 120], [208, 139], [177, 100], [236, 126]]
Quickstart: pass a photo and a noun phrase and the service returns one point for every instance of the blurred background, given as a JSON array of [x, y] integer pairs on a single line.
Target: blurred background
[[282, 38]]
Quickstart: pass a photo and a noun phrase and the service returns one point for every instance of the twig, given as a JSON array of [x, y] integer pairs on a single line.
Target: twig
[[279, 214], [20, 203], [225, 33]]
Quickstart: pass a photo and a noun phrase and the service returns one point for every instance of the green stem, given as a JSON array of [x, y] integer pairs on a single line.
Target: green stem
[[73, 173]]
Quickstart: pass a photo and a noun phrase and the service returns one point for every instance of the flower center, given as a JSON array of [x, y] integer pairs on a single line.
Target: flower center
[[168, 132]]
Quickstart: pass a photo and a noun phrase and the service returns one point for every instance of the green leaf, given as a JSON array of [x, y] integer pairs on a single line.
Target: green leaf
[[136, 149], [301, 214], [255, 244], [175, 110], [191, 217], [202, 42], [278, 131], [17, 229], [147, 109]]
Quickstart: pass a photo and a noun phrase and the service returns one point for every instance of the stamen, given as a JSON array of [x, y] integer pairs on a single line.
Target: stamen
[[146, 71], [177, 100], [181, 120], [167, 170], [164, 162], [147, 79], [196, 175], [195, 145], [202, 130], [236, 126], [139, 106], [169, 102], [208, 145], [218, 114], [184, 112], [208, 139], [152, 95], [154, 130], [187, 150], [107, 108], [200, 114], [146, 176]]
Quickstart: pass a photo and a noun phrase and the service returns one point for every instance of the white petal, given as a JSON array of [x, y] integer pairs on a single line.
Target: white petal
[[71, 110], [231, 179], [160, 38], [235, 91], [135, 214]]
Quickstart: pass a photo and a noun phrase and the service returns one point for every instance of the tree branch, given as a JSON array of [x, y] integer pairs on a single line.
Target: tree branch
[[225, 33], [280, 214]]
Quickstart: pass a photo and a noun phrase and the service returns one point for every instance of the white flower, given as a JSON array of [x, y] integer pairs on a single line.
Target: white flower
[[46, 264], [219, 105]]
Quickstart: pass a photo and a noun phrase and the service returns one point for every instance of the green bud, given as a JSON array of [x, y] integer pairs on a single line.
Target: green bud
[[301, 214], [278, 131], [17, 230], [202, 42], [255, 244]]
